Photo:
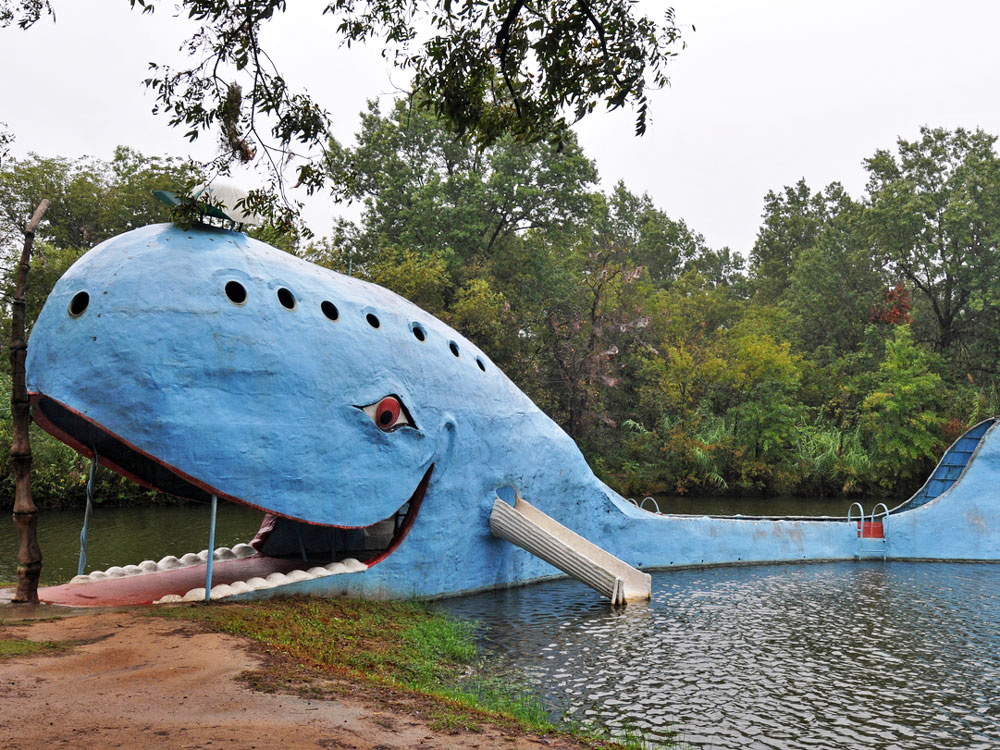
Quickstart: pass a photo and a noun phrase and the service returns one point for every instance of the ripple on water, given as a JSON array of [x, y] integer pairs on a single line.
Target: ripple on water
[[896, 656]]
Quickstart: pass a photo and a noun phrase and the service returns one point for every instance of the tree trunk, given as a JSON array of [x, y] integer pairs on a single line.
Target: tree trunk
[[29, 554]]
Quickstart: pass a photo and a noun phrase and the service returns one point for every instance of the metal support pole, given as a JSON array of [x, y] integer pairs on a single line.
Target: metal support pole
[[211, 552], [86, 515]]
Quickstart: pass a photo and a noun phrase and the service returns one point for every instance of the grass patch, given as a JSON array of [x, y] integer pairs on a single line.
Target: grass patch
[[404, 646], [11, 647], [451, 722]]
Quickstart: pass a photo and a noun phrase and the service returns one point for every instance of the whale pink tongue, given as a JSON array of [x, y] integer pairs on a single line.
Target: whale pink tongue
[[148, 587]]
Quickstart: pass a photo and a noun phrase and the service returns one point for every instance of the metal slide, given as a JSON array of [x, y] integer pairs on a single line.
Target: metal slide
[[527, 527]]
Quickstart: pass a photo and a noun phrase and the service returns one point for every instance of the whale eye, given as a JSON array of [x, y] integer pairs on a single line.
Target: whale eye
[[388, 414]]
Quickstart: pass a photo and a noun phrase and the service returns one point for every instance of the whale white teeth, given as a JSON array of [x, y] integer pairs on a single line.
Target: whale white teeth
[[222, 591], [194, 595], [170, 562], [354, 566]]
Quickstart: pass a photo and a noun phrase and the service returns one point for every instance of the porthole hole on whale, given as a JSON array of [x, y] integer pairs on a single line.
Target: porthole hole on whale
[[372, 320], [454, 347], [329, 310], [78, 305], [236, 292], [286, 298], [418, 332]]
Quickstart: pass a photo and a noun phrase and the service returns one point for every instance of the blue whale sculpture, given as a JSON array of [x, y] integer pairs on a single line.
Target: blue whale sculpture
[[202, 362]]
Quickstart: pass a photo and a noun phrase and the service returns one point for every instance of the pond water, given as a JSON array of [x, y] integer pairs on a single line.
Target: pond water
[[838, 655], [125, 536]]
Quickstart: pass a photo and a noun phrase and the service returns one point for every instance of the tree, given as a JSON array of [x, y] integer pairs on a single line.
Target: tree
[[664, 247], [6, 139], [833, 283], [901, 416], [793, 219], [427, 190], [487, 67], [933, 215]]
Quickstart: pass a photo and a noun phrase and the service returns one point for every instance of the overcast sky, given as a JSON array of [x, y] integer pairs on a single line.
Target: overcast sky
[[764, 94]]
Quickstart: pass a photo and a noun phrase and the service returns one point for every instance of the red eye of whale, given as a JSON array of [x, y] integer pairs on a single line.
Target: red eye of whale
[[388, 414]]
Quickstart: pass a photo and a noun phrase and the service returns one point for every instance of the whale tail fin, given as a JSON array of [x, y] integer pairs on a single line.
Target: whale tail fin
[[527, 527], [951, 467]]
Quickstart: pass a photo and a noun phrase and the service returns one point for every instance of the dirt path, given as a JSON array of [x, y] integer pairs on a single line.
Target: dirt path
[[143, 682]]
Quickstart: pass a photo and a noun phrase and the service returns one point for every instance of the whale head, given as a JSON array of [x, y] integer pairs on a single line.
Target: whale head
[[202, 362]]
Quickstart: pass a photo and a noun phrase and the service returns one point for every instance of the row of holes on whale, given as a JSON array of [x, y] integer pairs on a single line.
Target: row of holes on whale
[[237, 294]]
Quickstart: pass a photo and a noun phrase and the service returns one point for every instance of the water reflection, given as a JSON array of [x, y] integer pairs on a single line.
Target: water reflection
[[125, 536], [867, 655]]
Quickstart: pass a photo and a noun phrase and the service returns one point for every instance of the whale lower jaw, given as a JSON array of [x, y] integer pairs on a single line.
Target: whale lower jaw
[[226, 589], [171, 580], [240, 570]]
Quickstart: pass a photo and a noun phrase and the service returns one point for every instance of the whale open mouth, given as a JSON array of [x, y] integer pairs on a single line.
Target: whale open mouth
[[284, 552]]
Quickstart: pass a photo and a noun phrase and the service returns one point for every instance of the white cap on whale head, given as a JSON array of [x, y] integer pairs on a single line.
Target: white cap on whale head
[[226, 194]]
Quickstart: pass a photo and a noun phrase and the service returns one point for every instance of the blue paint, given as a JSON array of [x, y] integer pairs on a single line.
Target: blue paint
[[265, 405]]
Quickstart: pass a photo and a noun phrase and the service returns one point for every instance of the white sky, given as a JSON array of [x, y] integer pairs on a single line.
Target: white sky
[[765, 93]]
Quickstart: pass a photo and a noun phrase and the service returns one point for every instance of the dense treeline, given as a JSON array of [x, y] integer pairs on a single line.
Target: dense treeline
[[858, 338]]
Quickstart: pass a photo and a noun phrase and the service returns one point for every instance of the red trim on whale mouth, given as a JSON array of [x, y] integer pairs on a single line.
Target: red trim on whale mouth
[[411, 515]]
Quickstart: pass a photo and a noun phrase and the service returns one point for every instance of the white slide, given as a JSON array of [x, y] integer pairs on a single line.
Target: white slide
[[527, 527]]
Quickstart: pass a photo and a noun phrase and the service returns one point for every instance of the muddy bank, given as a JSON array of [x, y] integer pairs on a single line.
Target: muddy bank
[[128, 679]]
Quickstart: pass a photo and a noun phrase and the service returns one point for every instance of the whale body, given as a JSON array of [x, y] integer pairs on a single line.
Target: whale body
[[203, 362]]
